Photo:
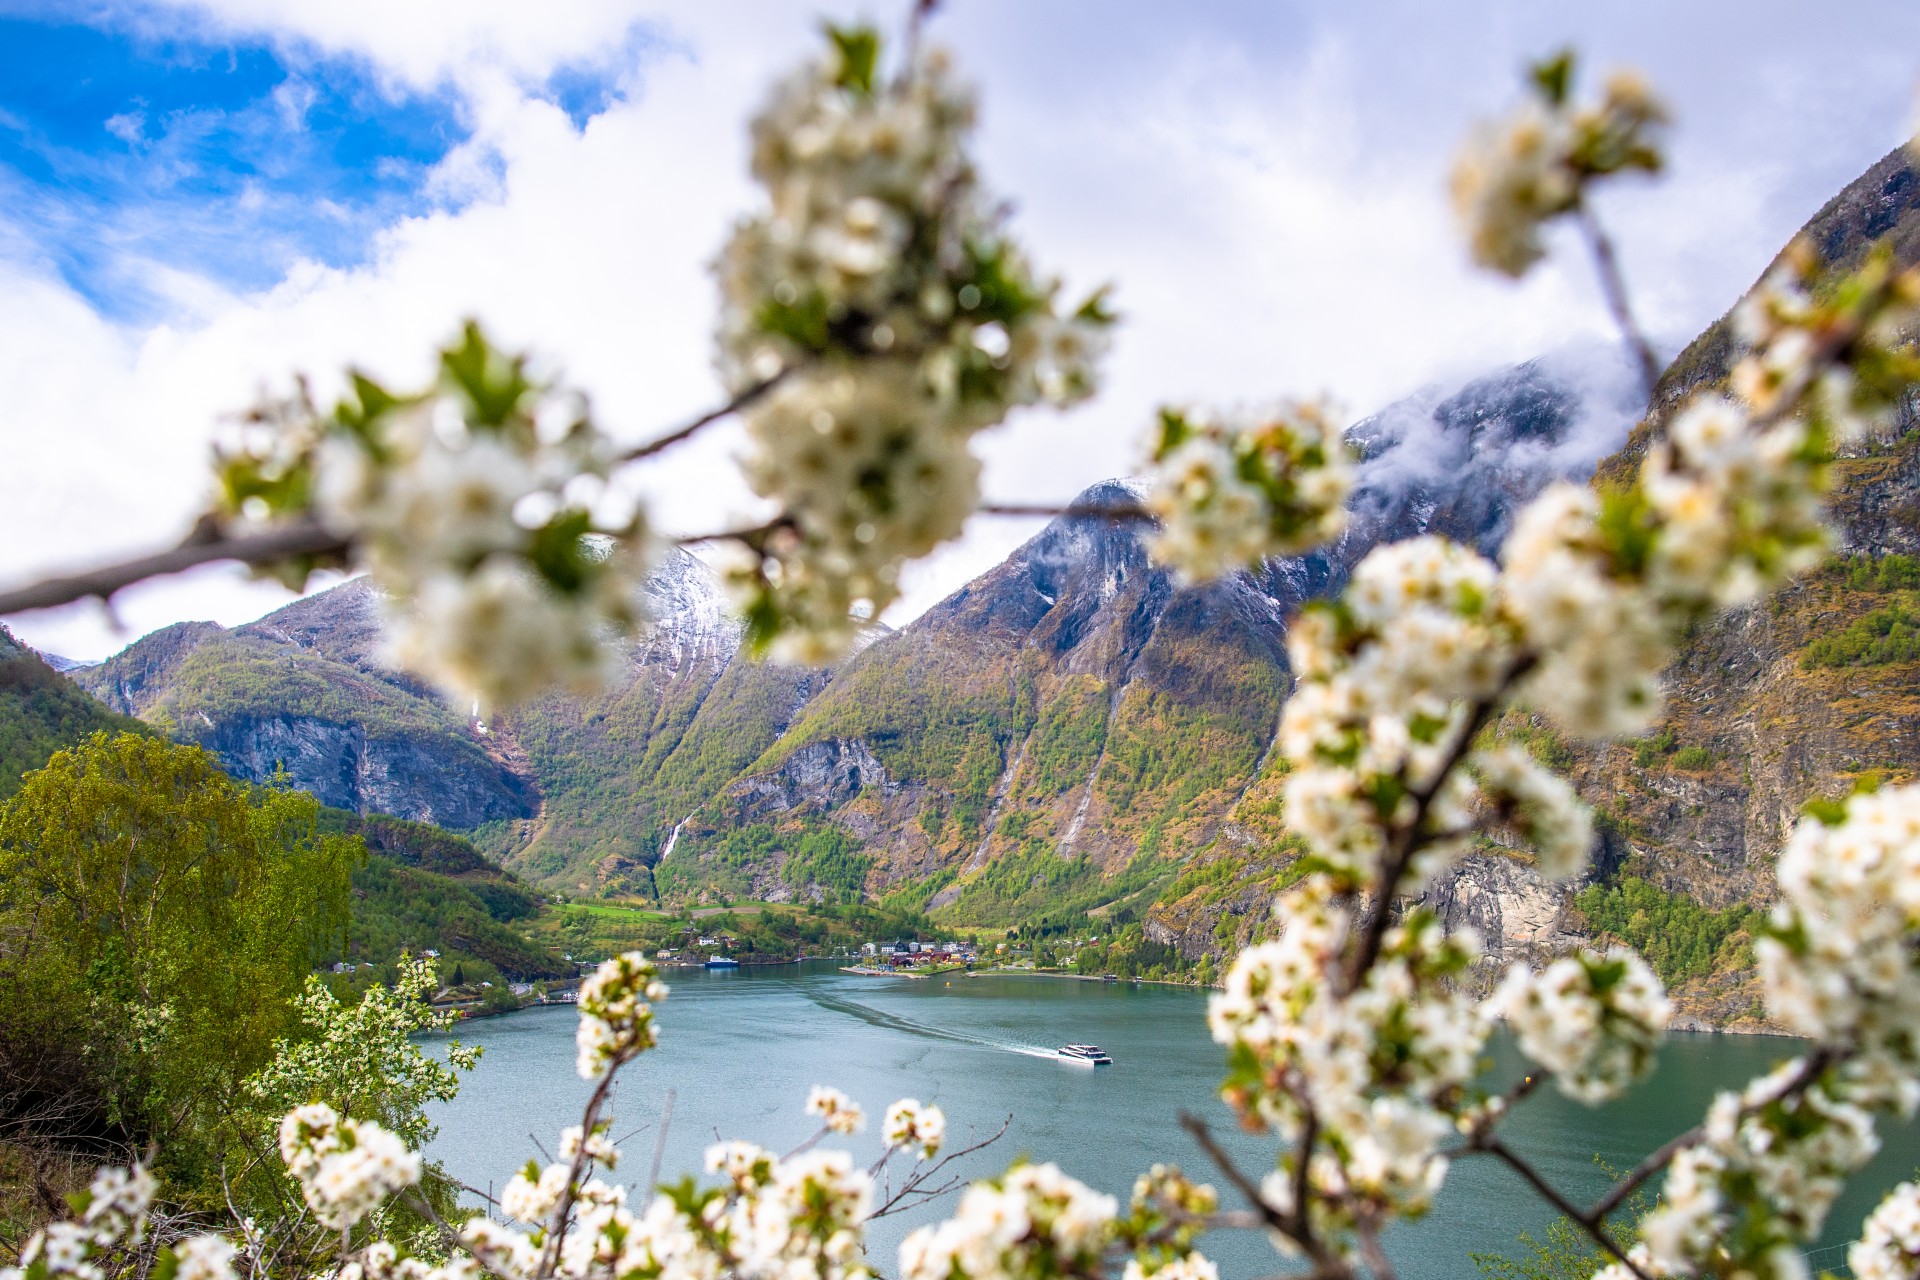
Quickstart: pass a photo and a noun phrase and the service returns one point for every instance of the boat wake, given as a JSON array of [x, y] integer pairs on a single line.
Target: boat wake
[[894, 1022]]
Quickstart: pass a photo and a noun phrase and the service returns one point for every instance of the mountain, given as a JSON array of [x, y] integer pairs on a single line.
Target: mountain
[[1074, 727], [1076, 737], [303, 689], [620, 771], [41, 713]]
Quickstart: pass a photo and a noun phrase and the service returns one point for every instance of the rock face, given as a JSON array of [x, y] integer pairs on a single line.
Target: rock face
[[1519, 915], [414, 778], [303, 690]]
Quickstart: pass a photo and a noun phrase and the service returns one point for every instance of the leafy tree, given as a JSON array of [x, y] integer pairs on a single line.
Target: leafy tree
[[159, 919]]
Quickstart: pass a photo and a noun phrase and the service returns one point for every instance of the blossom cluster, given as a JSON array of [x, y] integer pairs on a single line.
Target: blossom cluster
[[1382, 672], [484, 508], [1593, 1020], [616, 1013], [1841, 959], [1863, 320], [1773, 1161], [838, 1112], [110, 1219], [346, 1168], [1231, 492], [909, 1123], [1889, 1244], [1536, 165], [888, 316], [799, 1217], [1167, 1214], [1031, 1223], [1376, 1068], [1839, 966]]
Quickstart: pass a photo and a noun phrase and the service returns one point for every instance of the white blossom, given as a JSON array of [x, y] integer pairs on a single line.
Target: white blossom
[[1518, 174], [1232, 492], [346, 1168], [836, 1110], [1541, 806], [616, 1012], [1035, 1221], [1593, 1020], [909, 1122], [879, 287], [1889, 1243]]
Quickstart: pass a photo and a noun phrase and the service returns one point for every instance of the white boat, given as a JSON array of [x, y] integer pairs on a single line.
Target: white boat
[[1091, 1055]]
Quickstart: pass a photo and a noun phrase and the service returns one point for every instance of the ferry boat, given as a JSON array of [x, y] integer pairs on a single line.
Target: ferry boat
[[1091, 1055], [722, 962]]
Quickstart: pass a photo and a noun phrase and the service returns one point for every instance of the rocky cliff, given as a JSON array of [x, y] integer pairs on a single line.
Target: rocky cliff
[[302, 690]]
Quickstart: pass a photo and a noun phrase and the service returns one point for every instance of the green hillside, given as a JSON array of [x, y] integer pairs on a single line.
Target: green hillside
[[41, 712]]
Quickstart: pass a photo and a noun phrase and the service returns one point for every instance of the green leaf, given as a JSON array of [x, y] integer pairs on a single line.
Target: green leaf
[[858, 49], [1175, 431], [493, 384], [1829, 813], [559, 550], [1553, 77], [1095, 309]]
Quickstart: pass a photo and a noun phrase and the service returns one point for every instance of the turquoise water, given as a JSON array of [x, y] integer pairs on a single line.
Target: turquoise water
[[739, 1050]]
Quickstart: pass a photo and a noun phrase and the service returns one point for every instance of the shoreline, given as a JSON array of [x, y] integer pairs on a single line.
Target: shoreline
[[1087, 977]]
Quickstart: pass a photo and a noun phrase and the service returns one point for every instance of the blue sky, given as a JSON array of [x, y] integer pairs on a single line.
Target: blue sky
[[140, 134], [226, 157], [201, 198]]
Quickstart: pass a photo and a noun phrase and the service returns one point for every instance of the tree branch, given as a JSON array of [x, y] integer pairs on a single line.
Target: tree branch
[[1613, 284], [1119, 513], [1413, 837], [1812, 1067], [893, 1202], [1293, 1226], [1595, 1227], [302, 538], [660, 444]]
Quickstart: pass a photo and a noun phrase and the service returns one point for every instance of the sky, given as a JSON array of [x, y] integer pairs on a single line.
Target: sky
[[199, 201]]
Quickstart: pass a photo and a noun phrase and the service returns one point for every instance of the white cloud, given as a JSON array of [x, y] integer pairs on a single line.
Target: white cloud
[[1264, 188]]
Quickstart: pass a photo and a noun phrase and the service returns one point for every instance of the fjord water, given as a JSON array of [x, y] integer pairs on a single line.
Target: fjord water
[[739, 1049]]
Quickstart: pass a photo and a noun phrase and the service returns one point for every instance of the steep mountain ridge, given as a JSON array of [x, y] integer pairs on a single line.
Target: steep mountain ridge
[[1077, 724], [303, 689]]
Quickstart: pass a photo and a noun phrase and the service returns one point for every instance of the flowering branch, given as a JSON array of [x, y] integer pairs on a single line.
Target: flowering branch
[[915, 1185], [1414, 836]]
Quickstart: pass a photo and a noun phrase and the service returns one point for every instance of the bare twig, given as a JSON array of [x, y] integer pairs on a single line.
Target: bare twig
[[1370, 1249], [302, 538], [660, 1145], [915, 1187], [660, 444], [1613, 284]]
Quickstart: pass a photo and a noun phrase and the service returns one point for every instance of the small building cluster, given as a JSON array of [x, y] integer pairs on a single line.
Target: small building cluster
[[911, 955]]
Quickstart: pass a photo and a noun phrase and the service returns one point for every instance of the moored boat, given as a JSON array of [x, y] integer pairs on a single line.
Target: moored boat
[[722, 962]]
